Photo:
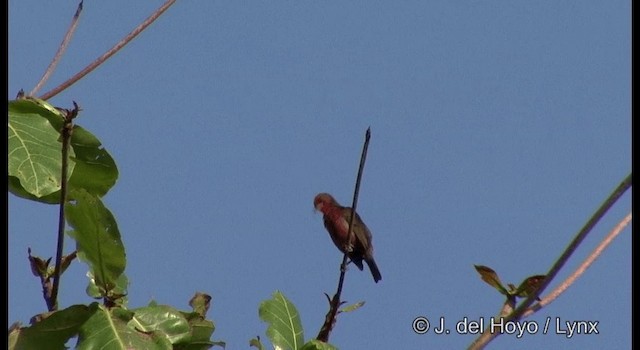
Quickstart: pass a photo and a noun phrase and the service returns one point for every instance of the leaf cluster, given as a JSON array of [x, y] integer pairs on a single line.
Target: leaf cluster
[[35, 168]]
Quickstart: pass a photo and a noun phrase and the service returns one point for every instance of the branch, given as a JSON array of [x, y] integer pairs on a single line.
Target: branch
[[67, 131], [335, 303], [61, 50], [98, 61], [487, 335], [606, 241]]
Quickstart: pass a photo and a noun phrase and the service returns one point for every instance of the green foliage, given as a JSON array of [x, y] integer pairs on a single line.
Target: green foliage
[[39, 266], [285, 327], [527, 287], [318, 345], [95, 170], [97, 239], [117, 295], [35, 163], [52, 332], [352, 307], [34, 158], [109, 328], [164, 318], [255, 343], [35, 167], [491, 277]]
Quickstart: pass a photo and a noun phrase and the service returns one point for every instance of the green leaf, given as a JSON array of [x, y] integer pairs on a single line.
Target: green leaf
[[91, 167], [16, 188], [185, 331], [529, 285], [255, 342], [201, 331], [491, 277], [35, 160], [200, 303], [97, 239], [316, 344], [285, 327], [353, 307], [107, 329], [120, 289], [95, 170], [66, 261], [52, 332], [39, 266], [162, 319]]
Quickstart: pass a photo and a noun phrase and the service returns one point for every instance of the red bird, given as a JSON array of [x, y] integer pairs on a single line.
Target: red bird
[[336, 221]]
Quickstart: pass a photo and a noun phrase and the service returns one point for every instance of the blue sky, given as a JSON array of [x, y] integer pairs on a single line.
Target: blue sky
[[497, 129]]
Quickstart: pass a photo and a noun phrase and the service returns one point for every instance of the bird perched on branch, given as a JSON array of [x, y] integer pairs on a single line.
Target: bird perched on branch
[[336, 221]]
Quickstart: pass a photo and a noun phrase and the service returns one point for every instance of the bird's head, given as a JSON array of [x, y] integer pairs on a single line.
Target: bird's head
[[323, 201]]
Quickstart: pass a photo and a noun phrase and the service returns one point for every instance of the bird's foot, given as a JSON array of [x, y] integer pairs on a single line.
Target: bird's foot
[[348, 248]]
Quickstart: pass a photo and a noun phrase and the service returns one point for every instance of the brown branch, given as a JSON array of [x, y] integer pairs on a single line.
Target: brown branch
[[98, 61], [334, 303], [67, 131], [606, 241], [61, 50], [487, 335]]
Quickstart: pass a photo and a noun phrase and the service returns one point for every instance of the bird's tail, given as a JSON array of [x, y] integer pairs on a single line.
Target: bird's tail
[[375, 272]]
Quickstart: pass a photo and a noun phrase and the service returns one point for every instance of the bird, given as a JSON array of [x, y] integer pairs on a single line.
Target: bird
[[336, 221]]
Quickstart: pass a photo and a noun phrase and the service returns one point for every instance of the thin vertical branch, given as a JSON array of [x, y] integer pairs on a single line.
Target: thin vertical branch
[[67, 131], [98, 61], [61, 50], [356, 192], [330, 318]]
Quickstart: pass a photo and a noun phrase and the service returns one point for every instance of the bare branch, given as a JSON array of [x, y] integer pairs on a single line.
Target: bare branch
[[334, 303], [60, 52], [67, 131], [582, 268], [98, 61], [487, 335]]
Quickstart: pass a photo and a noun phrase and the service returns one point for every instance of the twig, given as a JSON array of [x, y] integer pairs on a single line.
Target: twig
[[61, 50], [67, 131], [487, 335], [330, 318], [98, 61], [608, 203], [582, 268], [356, 192]]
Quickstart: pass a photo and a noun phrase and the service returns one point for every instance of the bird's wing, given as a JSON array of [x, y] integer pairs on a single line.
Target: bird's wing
[[360, 230]]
